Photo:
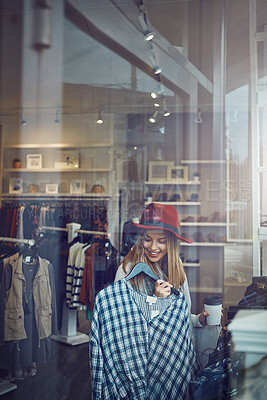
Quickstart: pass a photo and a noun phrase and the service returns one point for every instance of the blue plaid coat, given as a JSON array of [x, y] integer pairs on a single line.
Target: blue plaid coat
[[132, 357]]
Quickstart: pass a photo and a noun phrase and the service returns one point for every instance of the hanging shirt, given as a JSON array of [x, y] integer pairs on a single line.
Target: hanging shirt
[[73, 252], [148, 288], [137, 354]]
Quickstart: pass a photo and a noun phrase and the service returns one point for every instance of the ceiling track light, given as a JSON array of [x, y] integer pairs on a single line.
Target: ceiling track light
[[166, 112], [100, 117], [198, 119], [154, 95], [148, 35], [57, 119], [23, 122], [153, 117], [157, 70]]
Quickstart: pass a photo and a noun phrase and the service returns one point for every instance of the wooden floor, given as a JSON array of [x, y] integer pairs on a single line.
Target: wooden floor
[[65, 377]]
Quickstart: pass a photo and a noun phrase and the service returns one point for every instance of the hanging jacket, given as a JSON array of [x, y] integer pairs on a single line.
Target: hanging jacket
[[41, 291], [135, 357]]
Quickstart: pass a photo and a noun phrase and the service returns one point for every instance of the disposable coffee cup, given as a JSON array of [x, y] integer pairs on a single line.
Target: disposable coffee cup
[[213, 305]]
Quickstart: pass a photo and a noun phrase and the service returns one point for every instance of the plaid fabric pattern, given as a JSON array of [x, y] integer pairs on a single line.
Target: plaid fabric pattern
[[135, 358]]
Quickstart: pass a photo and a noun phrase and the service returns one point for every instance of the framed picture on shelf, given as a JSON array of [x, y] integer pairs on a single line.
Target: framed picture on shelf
[[158, 170], [77, 186], [177, 174], [34, 161], [16, 185], [51, 188], [67, 159]]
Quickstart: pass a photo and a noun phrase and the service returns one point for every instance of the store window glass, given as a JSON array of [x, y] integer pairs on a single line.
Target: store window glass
[[97, 123]]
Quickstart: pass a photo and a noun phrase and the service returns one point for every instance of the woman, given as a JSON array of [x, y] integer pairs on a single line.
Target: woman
[[158, 246]]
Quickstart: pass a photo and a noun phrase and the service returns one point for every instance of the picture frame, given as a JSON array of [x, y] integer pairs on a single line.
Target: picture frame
[[177, 174], [77, 186], [158, 170], [16, 185], [51, 188], [34, 161], [67, 159]]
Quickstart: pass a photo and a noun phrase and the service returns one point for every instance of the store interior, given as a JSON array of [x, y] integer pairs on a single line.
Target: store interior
[[97, 122]]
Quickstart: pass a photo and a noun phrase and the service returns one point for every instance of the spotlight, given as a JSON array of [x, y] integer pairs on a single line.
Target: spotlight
[[166, 112], [57, 120], [100, 117], [148, 35], [157, 70], [153, 117], [198, 119], [154, 95], [22, 120]]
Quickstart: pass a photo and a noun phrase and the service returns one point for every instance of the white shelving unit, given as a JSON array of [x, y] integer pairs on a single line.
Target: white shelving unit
[[177, 203], [61, 170], [203, 244], [203, 161], [204, 251], [56, 145], [191, 264], [173, 183], [93, 168]]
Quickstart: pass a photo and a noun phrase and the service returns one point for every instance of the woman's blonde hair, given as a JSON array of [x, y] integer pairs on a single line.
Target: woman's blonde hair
[[171, 264]]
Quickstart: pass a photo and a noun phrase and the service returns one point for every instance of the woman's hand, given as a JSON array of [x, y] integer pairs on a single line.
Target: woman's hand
[[162, 288], [203, 315]]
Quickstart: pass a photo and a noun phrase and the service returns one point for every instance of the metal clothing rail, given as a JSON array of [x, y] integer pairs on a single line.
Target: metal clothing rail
[[69, 334], [93, 232], [30, 242], [52, 228]]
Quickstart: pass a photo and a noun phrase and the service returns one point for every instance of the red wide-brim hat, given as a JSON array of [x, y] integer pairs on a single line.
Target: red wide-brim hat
[[160, 216]]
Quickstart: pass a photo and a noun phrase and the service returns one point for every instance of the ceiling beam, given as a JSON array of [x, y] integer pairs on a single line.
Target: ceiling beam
[[121, 34]]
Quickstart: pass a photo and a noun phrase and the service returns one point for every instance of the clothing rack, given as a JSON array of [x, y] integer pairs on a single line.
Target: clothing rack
[[98, 233], [29, 242], [69, 333], [72, 232], [5, 385]]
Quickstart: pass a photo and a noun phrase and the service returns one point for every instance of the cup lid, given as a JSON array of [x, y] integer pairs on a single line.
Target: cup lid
[[213, 300]]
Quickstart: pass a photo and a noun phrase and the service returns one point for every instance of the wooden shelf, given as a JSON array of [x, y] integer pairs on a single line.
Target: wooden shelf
[[173, 183], [191, 265], [204, 224], [56, 196], [262, 233], [236, 284], [63, 170], [56, 146], [203, 161], [177, 203], [203, 244]]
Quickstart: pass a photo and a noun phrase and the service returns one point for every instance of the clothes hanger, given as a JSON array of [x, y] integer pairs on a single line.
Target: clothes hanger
[[29, 255], [145, 268], [141, 267]]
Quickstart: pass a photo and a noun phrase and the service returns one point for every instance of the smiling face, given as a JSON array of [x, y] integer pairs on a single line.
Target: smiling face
[[155, 244]]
